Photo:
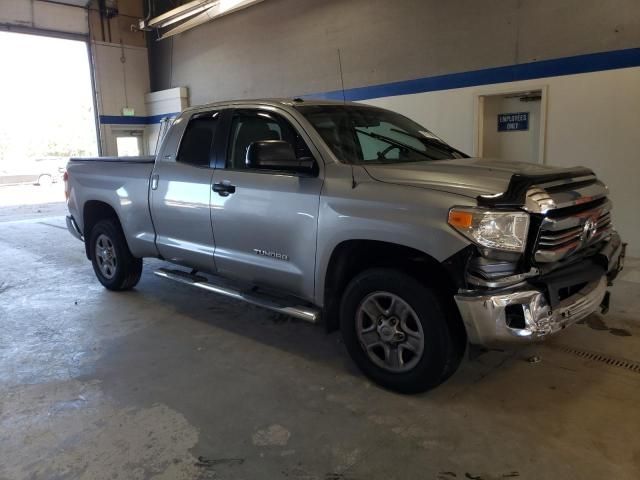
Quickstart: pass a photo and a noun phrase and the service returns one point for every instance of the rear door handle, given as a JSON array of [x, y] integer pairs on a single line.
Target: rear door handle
[[154, 181], [224, 189]]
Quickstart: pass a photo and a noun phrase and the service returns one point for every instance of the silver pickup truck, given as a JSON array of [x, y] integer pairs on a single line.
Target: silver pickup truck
[[361, 218]]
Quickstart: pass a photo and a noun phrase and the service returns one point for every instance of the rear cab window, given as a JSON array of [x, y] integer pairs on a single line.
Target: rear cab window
[[197, 141]]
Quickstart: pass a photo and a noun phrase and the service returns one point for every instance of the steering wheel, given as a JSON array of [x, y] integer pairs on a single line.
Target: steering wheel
[[383, 154]]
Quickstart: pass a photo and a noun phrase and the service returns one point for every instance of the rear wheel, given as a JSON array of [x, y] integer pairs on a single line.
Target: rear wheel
[[396, 331], [113, 263]]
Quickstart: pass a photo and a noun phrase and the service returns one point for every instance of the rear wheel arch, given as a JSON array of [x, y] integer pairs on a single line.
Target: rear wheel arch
[[93, 212], [114, 265], [351, 257]]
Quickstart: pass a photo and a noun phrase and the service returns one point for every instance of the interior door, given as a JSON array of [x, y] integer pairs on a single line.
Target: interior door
[[181, 194], [265, 222], [511, 126]]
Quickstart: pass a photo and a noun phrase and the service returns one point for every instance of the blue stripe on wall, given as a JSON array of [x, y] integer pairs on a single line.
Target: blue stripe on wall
[[122, 120], [592, 62]]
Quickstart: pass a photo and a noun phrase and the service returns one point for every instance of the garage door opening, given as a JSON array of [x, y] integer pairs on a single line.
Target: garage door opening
[[47, 116], [511, 126]]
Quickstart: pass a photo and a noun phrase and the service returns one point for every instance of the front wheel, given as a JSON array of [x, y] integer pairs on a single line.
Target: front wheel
[[113, 263], [396, 331]]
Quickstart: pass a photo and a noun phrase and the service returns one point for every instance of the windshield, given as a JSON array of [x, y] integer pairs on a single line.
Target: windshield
[[365, 135]]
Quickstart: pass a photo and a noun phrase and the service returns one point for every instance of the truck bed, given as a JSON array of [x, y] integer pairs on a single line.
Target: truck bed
[[121, 183], [142, 159]]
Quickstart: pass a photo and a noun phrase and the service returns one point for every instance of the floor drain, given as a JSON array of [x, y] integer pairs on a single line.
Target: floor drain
[[601, 357]]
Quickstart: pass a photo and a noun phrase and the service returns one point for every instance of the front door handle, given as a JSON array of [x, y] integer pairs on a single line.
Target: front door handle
[[154, 181], [224, 189]]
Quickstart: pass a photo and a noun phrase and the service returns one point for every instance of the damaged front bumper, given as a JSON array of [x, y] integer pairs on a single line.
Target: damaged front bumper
[[540, 306]]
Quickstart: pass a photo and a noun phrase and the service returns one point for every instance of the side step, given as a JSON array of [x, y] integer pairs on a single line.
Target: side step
[[308, 314]]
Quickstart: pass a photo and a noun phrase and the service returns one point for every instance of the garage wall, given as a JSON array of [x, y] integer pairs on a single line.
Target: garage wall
[[121, 81], [284, 48], [28, 15], [289, 47], [121, 72]]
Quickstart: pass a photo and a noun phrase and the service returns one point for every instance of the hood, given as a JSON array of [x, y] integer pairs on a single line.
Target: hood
[[465, 176]]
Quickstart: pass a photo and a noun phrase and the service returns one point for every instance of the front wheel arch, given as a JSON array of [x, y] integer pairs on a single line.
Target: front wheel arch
[[352, 257]]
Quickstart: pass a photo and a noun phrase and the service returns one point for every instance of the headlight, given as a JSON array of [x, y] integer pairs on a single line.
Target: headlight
[[497, 230]]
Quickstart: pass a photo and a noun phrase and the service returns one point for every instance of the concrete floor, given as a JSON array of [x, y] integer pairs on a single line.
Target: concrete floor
[[166, 382]]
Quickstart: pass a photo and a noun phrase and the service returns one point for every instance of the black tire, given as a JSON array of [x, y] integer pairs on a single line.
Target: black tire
[[443, 345], [127, 269]]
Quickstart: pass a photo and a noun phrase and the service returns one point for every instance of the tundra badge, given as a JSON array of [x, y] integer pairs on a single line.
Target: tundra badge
[[269, 253]]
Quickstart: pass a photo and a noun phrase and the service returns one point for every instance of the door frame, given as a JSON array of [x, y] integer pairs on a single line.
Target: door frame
[[478, 115]]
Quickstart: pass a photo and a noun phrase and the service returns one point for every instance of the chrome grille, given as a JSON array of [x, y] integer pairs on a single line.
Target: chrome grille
[[561, 236], [564, 193]]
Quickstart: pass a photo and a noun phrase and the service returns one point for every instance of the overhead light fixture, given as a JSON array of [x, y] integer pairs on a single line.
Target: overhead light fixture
[[176, 14], [193, 14]]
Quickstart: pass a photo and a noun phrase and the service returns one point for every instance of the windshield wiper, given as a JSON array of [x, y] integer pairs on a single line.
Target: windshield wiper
[[434, 141], [396, 143]]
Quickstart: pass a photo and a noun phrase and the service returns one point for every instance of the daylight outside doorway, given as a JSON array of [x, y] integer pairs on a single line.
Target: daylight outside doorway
[[46, 99]]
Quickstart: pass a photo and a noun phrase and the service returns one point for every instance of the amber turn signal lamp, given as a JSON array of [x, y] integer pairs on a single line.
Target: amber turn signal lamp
[[460, 219]]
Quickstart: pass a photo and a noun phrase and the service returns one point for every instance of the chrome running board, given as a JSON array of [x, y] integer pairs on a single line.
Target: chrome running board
[[308, 314]]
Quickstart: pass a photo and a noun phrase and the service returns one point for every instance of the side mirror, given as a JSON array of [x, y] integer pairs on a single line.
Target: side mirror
[[276, 155]]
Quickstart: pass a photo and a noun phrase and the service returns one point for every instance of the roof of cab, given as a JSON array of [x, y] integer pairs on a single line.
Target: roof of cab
[[274, 102]]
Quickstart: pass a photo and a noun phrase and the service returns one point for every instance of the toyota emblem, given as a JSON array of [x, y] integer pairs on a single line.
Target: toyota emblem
[[589, 230]]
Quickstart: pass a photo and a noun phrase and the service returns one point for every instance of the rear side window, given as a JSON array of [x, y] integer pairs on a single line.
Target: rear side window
[[197, 142]]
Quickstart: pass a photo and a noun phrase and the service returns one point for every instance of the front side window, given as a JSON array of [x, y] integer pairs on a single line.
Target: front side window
[[363, 135], [197, 142], [249, 126]]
